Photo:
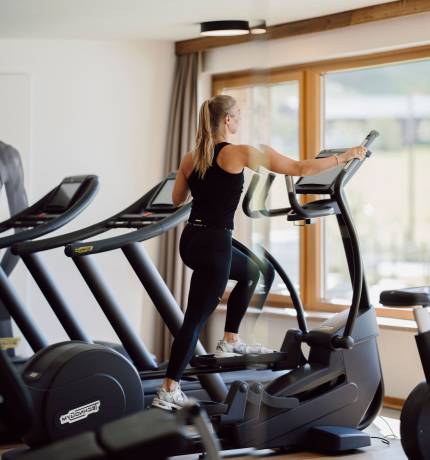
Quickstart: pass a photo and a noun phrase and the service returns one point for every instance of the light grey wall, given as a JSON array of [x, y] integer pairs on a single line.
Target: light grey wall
[[94, 107]]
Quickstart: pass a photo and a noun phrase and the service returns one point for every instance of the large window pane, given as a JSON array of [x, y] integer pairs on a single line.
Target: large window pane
[[389, 196], [270, 114]]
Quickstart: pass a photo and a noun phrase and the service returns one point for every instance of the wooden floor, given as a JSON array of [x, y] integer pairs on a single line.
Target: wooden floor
[[377, 451], [386, 426]]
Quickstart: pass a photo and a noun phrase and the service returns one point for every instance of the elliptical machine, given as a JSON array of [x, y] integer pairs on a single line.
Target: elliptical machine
[[326, 400], [415, 416], [323, 401]]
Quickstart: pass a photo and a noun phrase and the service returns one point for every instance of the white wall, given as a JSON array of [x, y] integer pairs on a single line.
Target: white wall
[[400, 361], [100, 108]]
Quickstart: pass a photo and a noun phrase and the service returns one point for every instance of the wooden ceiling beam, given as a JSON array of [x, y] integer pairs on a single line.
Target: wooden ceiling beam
[[319, 24]]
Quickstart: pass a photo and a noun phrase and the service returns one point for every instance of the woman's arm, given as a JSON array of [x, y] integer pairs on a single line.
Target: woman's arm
[[180, 189], [281, 164]]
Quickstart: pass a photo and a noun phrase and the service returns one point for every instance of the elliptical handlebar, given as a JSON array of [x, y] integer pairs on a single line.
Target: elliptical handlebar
[[370, 138], [251, 195], [311, 210], [320, 208]]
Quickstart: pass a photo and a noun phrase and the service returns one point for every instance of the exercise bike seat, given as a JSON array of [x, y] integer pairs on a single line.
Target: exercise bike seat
[[407, 297]]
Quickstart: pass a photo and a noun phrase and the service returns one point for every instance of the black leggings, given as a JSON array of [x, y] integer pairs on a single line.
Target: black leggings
[[210, 254]]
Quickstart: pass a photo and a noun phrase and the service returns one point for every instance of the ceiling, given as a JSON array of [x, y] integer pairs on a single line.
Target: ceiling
[[149, 19]]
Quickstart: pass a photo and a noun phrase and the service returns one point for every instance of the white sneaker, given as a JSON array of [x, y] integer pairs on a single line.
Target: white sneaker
[[169, 400], [226, 349]]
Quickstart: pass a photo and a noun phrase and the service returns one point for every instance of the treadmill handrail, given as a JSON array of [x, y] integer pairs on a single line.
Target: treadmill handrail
[[90, 188], [85, 248], [28, 247]]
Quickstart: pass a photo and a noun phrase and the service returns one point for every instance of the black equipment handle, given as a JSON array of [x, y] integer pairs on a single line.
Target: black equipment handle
[[370, 138], [310, 210], [29, 247], [116, 242], [366, 143], [88, 191], [250, 196], [313, 209]]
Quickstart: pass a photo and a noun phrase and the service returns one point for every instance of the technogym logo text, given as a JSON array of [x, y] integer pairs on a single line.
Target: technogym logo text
[[80, 413]]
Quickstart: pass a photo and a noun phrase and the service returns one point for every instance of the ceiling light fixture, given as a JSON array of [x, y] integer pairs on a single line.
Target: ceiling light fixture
[[224, 28]]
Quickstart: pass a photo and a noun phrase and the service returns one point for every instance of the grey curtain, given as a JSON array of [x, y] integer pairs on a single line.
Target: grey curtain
[[180, 139]]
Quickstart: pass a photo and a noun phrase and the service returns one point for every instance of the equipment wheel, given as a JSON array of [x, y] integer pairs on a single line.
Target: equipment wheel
[[415, 423]]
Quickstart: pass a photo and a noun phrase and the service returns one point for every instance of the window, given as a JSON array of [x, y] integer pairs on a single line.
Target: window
[[390, 201], [270, 114], [333, 104]]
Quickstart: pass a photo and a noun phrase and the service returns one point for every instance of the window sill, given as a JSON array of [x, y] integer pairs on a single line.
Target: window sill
[[383, 322]]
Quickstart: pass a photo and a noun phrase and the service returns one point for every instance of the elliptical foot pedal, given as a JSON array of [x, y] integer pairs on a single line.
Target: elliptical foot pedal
[[337, 438]]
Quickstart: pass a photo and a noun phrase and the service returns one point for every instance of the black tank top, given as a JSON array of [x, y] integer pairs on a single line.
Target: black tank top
[[216, 196]]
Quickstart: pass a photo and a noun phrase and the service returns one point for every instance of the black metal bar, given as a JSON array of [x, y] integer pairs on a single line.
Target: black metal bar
[[86, 248], [249, 196], [357, 262], [347, 245], [168, 308], [28, 247], [134, 346], [262, 198], [19, 313], [295, 298], [54, 297], [349, 253]]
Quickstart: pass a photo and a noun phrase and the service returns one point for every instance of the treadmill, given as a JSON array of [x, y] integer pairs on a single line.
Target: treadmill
[[54, 210], [150, 216]]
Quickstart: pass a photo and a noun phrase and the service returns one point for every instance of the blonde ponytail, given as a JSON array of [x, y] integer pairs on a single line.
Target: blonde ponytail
[[203, 151], [211, 114]]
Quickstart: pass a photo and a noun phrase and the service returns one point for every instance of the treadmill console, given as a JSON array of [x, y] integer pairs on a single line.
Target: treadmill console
[[63, 197], [162, 199]]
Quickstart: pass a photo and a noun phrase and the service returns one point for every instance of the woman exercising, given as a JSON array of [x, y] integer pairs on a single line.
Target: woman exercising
[[213, 172]]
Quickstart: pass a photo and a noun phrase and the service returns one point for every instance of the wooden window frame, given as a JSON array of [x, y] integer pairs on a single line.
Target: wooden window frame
[[310, 122]]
